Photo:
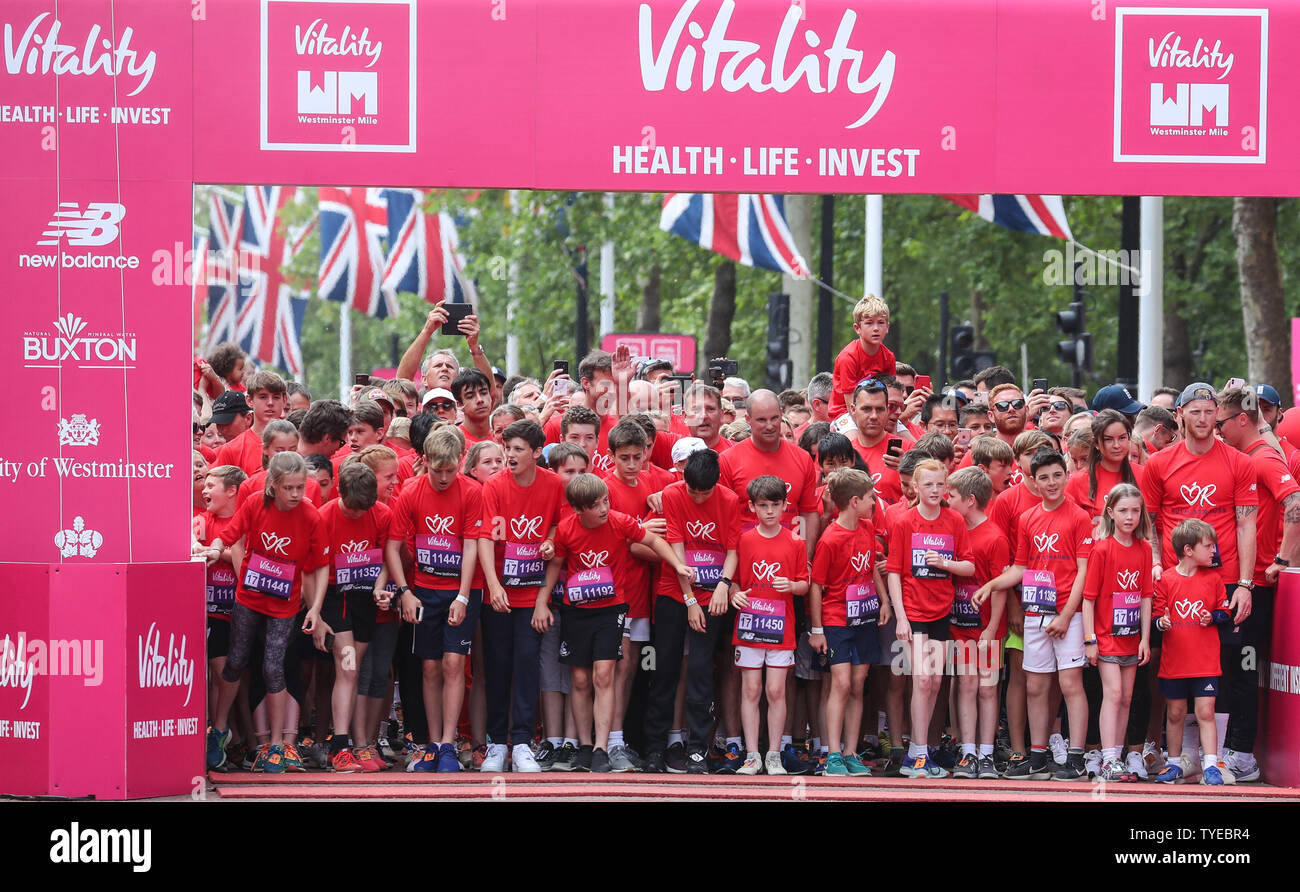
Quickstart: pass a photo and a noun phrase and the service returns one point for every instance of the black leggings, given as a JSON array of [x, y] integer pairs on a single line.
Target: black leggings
[[245, 627]]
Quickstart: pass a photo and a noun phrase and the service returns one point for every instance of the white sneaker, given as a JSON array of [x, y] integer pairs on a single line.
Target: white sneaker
[[415, 755], [1056, 743], [753, 764], [1137, 765], [1241, 766], [1092, 762], [1191, 765], [772, 764], [495, 762], [1152, 757], [521, 759]]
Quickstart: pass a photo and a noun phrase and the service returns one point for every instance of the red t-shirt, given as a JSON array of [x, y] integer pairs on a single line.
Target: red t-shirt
[[1178, 485], [601, 460], [209, 454], [1076, 490], [1274, 483], [1009, 507], [406, 467], [1118, 578], [518, 519], [356, 545], [280, 546], [1049, 546], [878, 523], [1189, 649], [706, 533], [255, 485], [440, 528], [886, 481], [842, 566], [598, 564], [244, 452], [219, 583], [661, 453], [631, 500], [745, 462], [470, 439], [851, 366], [991, 551], [927, 591], [768, 622]]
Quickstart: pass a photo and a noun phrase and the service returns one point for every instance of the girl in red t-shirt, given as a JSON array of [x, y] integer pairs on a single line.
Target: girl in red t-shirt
[[1117, 592], [280, 547]]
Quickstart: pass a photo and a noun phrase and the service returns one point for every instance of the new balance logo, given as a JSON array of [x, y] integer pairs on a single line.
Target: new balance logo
[[95, 226]]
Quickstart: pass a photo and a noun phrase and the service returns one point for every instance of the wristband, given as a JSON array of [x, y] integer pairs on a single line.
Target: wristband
[[1247, 584], [725, 581], [462, 600], [691, 601], [404, 589], [1281, 561], [816, 630], [1089, 641]]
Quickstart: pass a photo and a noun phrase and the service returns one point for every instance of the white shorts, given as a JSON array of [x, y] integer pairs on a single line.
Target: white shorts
[[758, 657], [637, 629], [1045, 654]]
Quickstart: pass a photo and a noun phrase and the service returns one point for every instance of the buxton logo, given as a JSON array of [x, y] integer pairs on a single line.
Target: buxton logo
[[39, 49], [168, 668], [746, 65], [71, 341]]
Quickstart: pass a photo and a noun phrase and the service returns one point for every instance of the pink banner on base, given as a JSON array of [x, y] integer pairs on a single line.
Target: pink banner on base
[[1279, 757]]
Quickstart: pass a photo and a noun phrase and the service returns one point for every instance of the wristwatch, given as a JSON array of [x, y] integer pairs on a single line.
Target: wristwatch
[[1247, 584], [691, 601], [725, 581], [1281, 561], [403, 589]]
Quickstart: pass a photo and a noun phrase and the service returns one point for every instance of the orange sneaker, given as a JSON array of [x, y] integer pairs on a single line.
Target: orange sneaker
[[292, 761], [369, 758], [345, 761]]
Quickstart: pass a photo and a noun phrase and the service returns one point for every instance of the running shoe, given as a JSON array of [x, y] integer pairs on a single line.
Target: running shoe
[[835, 766], [869, 751], [696, 763], [731, 760], [1038, 766], [1212, 776], [252, 757], [413, 757], [600, 761], [1191, 765], [753, 764], [236, 756], [313, 753], [368, 756], [564, 757], [1153, 758], [448, 760], [387, 751], [893, 767], [772, 764], [545, 755], [465, 751], [1242, 767], [217, 741], [582, 760], [479, 756], [344, 761], [274, 760], [1092, 762], [819, 766], [427, 763], [522, 759], [1225, 772], [495, 761], [292, 759], [1012, 761], [1171, 774], [968, 768], [1059, 748], [1137, 766], [1072, 770], [653, 763], [1114, 771], [675, 758], [259, 758], [945, 754], [988, 769], [855, 766], [620, 760], [923, 767], [794, 761]]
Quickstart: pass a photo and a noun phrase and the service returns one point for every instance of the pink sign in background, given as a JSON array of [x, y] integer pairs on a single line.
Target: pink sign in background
[[678, 349]]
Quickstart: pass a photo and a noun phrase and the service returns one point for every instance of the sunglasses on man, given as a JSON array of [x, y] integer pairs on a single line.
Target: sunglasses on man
[[1006, 405]]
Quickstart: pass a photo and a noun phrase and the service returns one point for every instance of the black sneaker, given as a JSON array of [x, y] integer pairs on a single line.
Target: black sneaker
[[599, 762], [582, 761], [1034, 768], [563, 758], [894, 765], [545, 755], [675, 758], [731, 760], [1073, 769], [695, 763], [653, 763], [987, 769], [967, 768]]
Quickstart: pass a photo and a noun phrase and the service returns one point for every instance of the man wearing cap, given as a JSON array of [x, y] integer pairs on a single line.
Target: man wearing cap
[[1278, 546], [440, 402], [1117, 397], [1202, 477], [231, 414], [682, 450], [1270, 413]]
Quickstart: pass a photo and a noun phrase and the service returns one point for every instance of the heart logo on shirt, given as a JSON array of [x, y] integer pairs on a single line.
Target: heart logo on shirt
[[875, 478], [1016, 477], [787, 487], [603, 461], [1196, 494], [439, 525], [594, 558], [354, 546], [525, 527], [275, 544], [1188, 609], [698, 530], [861, 562], [1045, 543], [764, 571], [1127, 579]]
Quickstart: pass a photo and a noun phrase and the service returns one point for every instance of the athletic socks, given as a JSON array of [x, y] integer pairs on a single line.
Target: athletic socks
[[786, 740], [985, 750], [556, 742], [1110, 754], [740, 745], [678, 736], [615, 739], [968, 749], [916, 750]]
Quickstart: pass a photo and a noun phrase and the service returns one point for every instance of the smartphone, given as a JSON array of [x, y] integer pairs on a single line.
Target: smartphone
[[922, 382], [329, 641], [895, 445], [363, 380], [963, 437], [1039, 384], [562, 365], [455, 313], [1234, 383]]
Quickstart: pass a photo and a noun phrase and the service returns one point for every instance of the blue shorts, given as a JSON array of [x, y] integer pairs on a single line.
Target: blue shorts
[[1182, 688], [433, 637], [858, 645]]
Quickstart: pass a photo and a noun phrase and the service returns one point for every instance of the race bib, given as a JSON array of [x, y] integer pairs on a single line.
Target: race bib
[[861, 603], [1038, 592], [763, 622], [1217, 561], [522, 567], [268, 577], [590, 586], [356, 571], [1126, 614], [708, 566], [923, 542], [557, 593], [965, 615], [438, 555], [220, 586]]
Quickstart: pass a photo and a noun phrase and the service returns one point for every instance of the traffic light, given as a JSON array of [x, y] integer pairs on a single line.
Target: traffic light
[[779, 367], [1076, 350], [966, 360]]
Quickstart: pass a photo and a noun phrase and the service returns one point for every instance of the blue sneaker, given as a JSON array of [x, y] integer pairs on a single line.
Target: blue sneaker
[[943, 756], [275, 759], [732, 759], [427, 761], [1212, 776], [835, 766], [447, 759], [217, 741], [922, 768], [855, 766], [1173, 774], [793, 761]]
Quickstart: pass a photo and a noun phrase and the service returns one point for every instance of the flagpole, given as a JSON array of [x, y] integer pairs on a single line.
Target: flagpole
[[512, 291], [607, 275], [345, 353], [872, 254], [1151, 297]]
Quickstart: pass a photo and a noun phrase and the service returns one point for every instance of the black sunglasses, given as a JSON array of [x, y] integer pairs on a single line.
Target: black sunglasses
[[1004, 405], [1219, 423]]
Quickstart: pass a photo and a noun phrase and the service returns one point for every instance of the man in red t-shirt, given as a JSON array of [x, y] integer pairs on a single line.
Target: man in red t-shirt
[[704, 416], [871, 435]]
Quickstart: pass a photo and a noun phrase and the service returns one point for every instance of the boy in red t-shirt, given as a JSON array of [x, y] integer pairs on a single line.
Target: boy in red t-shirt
[[594, 548], [1189, 601], [928, 546], [978, 626], [865, 356], [845, 606]]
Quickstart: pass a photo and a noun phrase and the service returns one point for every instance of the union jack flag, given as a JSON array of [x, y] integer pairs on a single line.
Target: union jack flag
[[353, 224], [749, 229], [220, 268], [270, 313], [1043, 214], [423, 253]]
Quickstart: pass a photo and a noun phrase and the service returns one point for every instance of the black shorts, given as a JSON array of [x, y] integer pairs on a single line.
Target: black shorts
[[218, 637], [362, 610], [591, 634], [335, 611], [1182, 688], [935, 629], [859, 645], [433, 635]]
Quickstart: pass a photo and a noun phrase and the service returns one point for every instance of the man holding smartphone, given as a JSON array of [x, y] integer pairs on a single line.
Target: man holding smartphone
[[873, 439], [468, 327]]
